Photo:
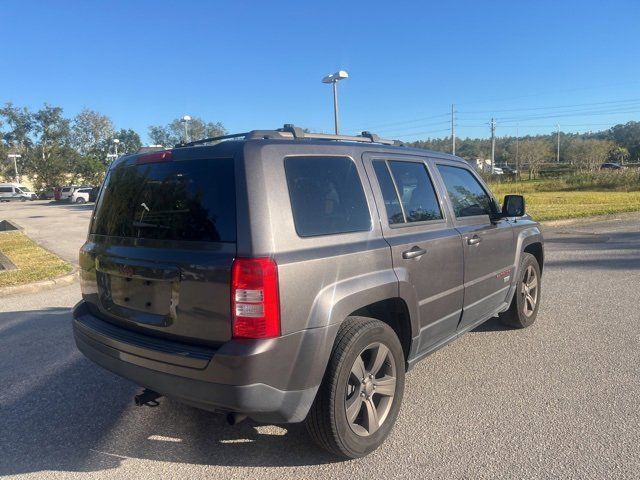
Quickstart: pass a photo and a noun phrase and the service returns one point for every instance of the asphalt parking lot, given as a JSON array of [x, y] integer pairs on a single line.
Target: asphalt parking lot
[[557, 400], [60, 227]]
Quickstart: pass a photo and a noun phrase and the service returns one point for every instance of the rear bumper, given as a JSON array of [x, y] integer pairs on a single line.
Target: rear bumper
[[272, 380]]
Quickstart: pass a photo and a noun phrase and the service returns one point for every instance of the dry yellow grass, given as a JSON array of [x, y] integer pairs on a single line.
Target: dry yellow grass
[[33, 262]]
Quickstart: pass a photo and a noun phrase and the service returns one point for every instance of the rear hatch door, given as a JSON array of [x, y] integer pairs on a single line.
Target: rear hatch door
[[161, 246]]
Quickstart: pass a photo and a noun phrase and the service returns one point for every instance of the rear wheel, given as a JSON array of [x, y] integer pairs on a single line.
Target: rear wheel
[[526, 300], [360, 396], [80, 200]]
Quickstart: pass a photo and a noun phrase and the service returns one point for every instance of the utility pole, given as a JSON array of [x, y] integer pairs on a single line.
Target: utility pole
[[453, 130], [558, 149], [517, 159], [493, 145]]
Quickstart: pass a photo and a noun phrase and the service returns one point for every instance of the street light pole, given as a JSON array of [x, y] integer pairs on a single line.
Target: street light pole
[[186, 119], [116, 142], [15, 156], [336, 114], [333, 79]]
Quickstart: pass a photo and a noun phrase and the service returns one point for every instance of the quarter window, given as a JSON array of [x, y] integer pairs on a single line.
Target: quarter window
[[465, 192], [391, 201], [326, 196]]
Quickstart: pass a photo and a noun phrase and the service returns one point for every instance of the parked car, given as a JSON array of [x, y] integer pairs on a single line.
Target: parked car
[[15, 192], [81, 195], [290, 276], [46, 194], [93, 194], [611, 166], [67, 192]]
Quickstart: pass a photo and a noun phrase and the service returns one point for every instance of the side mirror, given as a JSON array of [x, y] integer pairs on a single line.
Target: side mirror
[[513, 206]]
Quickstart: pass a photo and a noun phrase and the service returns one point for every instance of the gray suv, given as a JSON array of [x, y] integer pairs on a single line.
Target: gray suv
[[287, 276]]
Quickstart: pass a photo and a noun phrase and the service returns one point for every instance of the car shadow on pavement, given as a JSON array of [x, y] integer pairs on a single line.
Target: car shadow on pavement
[[61, 412], [492, 325], [71, 206]]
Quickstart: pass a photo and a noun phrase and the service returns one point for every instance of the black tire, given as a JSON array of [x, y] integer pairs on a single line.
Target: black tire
[[327, 421], [80, 200], [516, 316]]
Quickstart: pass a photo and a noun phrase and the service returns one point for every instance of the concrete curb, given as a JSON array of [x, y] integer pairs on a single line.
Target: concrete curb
[[67, 279]]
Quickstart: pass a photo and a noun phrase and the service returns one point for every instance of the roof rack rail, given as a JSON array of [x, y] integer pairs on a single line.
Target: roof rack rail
[[211, 139], [297, 132], [289, 131]]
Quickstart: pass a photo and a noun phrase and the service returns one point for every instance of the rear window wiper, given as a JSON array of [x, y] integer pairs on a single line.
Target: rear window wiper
[[149, 225]]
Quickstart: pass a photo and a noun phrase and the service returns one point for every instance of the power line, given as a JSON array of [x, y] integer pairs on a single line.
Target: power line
[[404, 122], [634, 100], [550, 92], [634, 109], [421, 133]]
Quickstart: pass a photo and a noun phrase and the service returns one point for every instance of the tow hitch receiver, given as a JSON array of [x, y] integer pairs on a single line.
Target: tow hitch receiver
[[147, 398]]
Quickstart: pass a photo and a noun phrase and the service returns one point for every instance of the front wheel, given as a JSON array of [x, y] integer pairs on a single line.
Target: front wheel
[[80, 200], [526, 300], [360, 396]]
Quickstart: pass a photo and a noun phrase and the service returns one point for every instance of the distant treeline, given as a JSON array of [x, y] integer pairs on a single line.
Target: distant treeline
[[586, 151]]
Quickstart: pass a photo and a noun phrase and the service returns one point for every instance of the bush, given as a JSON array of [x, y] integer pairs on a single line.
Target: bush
[[620, 180]]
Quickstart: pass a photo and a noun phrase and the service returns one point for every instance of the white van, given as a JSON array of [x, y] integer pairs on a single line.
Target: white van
[[15, 192]]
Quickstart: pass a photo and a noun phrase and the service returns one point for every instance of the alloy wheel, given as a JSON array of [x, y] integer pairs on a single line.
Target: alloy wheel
[[529, 291], [370, 389]]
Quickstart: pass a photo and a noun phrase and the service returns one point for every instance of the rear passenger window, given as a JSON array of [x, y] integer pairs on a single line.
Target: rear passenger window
[[465, 192], [326, 196], [6, 190], [413, 184]]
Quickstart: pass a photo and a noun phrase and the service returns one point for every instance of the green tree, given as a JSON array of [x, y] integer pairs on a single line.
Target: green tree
[[129, 142], [18, 124], [51, 158], [532, 153], [89, 131], [173, 133], [588, 154]]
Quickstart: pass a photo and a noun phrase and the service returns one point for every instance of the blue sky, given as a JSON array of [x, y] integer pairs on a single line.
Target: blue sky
[[259, 64]]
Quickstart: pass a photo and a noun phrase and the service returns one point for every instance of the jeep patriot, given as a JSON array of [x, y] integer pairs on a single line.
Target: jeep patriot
[[288, 276]]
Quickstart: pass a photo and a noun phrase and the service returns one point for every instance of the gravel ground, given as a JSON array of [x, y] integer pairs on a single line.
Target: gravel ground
[[557, 400]]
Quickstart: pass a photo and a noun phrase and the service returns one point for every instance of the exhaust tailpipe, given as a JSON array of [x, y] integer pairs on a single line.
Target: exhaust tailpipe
[[235, 418], [147, 398]]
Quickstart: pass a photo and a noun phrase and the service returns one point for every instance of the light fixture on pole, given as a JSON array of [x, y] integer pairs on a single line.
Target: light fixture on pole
[[15, 156], [116, 142], [186, 119], [333, 79]]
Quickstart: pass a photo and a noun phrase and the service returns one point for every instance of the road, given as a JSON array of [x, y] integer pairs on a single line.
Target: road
[[557, 400]]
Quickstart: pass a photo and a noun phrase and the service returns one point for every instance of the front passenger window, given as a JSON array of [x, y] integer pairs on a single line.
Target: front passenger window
[[467, 195]]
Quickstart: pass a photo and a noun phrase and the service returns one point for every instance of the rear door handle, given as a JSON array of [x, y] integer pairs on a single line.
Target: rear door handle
[[474, 240], [415, 252]]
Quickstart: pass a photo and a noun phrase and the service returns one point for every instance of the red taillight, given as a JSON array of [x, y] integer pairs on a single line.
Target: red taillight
[[163, 156], [255, 304]]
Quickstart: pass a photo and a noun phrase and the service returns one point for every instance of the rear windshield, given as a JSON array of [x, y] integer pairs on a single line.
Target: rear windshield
[[190, 200]]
